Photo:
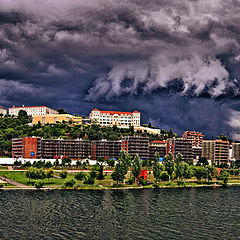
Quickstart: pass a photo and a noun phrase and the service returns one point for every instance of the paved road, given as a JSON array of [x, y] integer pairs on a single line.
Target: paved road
[[14, 182]]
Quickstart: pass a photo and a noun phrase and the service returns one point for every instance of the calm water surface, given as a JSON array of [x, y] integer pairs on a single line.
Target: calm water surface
[[121, 214]]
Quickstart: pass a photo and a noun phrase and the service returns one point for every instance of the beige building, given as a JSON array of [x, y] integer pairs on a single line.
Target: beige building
[[32, 111], [111, 118], [56, 118], [3, 111], [217, 151]]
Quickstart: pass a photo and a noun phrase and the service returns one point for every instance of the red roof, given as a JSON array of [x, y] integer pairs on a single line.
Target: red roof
[[2, 107], [136, 112], [30, 107], [158, 141], [112, 112]]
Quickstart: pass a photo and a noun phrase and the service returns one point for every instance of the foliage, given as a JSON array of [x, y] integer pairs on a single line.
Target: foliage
[[49, 173], [35, 173], [100, 175], [80, 176], [122, 167], [89, 180], [179, 167], [156, 167], [199, 173], [164, 176], [142, 182], [169, 164], [63, 174], [136, 167], [224, 176], [70, 183], [38, 184]]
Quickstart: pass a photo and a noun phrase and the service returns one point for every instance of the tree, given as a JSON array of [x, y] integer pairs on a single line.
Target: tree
[[61, 111], [156, 167], [209, 172], [80, 176], [63, 174], [136, 167], [199, 173], [122, 167], [38, 184], [224, 176], [169, 164], [49, 174], [203, 161], [222, 137], [70, 183], [179, 167], [22, 113]]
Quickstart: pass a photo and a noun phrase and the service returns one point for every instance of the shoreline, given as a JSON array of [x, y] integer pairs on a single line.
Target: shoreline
[[121, 188]]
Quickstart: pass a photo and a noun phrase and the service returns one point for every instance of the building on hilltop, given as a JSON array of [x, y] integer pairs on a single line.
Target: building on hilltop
[[216, 151], [56, 118], [3, 111], [32, 111], [115, 118]]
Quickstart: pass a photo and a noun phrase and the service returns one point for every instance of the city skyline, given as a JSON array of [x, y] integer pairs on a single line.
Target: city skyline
[[177, 63]]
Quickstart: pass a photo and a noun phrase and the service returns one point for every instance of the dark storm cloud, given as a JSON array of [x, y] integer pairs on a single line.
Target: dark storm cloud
[[180, 57]]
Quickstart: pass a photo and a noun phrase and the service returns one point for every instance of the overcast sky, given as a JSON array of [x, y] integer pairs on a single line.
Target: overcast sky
[[178, 62]]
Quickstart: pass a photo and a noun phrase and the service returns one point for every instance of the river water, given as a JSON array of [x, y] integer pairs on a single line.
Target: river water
[[194, 213]]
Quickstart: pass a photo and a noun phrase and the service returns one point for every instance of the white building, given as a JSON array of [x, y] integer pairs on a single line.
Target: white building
[[32, 111], [3, 110], [111, 118]]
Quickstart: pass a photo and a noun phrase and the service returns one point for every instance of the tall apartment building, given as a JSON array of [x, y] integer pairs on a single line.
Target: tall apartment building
[[195, 137], [3, 111], [111, 118], [217, 151], [136, 145], [35, 147], [32, 111], [236, 151], [105, 148], [180, 145], [157, 146]]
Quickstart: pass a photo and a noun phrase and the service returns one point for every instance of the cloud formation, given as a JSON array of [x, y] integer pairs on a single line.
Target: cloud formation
[[86, 53]]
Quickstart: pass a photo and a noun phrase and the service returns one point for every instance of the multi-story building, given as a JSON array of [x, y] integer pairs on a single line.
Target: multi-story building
[[56, 118], [3, 111], [105, 148], [157, 146], [136, 145], [180, 145], [236, 151], [57, 148], [35, 147], [32, 111], [111, 118], [195, 137], [27, 147], [216, 151]]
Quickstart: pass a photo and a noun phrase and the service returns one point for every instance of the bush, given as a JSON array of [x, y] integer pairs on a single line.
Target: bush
[[142, 182], [130, 181], [39, 184], [80, 176], [63, 174], [164, 176], [181, 183], [70, 183], [89, 180], [156, 185]]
